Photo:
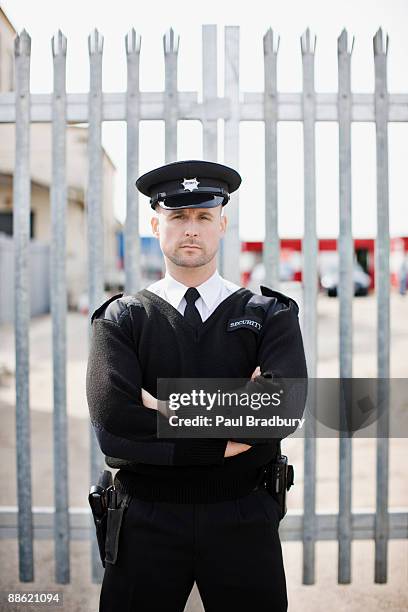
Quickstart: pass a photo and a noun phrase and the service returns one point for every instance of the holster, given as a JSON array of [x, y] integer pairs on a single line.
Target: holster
[[97, 499], [107, 515], [278, 478]]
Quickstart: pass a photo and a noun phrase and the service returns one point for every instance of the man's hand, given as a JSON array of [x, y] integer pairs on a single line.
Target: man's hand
[[256, 372], [235, 448], [149, 400]]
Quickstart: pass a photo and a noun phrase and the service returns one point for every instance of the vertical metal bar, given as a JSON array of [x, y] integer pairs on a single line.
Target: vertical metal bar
[[170, 46], [346, 291], [59, 308], [95, 231], [210, 126], [309, 276], [271, 248], [231, 242], [382, 286], [132, 239], [209, 66], [21, 233]]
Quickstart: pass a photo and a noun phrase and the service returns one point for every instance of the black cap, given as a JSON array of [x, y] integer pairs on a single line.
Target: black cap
[[189, 184]]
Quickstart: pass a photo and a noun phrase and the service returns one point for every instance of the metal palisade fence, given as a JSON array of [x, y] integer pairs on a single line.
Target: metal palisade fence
[[270, 106]]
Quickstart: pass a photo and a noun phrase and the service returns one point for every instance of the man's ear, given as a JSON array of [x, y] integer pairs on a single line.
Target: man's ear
[[223, 223], [154, 222]]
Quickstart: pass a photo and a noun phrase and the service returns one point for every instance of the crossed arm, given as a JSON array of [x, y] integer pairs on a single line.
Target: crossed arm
[[232, 448], [124, 426], [120, 410]]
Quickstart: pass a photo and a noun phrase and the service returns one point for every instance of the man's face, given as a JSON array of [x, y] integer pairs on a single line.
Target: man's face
[[189, 237]]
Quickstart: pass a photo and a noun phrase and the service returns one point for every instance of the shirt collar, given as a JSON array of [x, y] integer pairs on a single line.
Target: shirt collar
[[209, 290]]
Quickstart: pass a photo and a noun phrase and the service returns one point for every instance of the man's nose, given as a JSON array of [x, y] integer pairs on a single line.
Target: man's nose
[[191, 229]]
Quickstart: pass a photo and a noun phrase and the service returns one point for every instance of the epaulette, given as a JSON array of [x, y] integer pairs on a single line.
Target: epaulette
[[266, 303], [271, 299], [103, 305], [280, 297], [259, 307], [117, 307]]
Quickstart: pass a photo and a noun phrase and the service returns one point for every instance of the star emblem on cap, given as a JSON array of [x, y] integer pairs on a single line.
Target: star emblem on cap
[[190, 184]]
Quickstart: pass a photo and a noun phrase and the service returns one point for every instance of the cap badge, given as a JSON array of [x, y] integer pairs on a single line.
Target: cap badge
[[190, 184]]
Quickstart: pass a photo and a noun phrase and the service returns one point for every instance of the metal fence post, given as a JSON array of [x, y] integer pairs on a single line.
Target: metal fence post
[[94, 203], [210, 100], [209, 70], [59, 309], [231, 243], [21, 233], [382, 286], [132, 238], [309, 276], [271, 247], [170, 47], [346, 292]]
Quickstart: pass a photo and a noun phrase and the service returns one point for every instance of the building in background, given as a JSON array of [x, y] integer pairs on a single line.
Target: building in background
[[40, 213], [7, 34]]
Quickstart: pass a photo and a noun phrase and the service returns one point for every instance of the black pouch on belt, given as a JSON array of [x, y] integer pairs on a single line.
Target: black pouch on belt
[[114, 523], [279, 477], [97, 500]]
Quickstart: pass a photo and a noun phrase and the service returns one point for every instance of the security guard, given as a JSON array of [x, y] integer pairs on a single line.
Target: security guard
[[198, 510]]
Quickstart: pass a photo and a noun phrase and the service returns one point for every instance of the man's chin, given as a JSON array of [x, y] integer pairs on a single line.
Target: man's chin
[[190, 261]]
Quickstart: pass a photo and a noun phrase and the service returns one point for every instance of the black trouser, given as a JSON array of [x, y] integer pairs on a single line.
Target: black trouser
[[231, 549]]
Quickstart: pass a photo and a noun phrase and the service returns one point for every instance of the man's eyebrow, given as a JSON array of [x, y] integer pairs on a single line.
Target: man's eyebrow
[[175, 212]]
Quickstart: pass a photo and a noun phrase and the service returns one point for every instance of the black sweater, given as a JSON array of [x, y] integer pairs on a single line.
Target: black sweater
[[137, 339]]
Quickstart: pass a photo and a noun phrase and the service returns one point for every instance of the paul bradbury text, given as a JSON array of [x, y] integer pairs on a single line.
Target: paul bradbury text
[[240, 421]]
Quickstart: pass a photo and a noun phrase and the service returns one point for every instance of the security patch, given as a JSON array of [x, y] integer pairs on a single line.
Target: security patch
[[253, 323]]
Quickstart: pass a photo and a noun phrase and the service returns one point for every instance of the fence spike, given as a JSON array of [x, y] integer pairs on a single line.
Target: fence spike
[[343, 43], [171, 41], [270, 42], [22, 43], [132, 42], [307, 43], [95, 42], [378, 42], [59, 44]]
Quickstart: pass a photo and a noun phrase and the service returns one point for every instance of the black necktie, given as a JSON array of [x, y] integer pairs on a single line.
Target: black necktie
[[191, 314]]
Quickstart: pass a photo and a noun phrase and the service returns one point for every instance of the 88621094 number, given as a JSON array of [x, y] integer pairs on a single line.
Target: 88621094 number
[[51, 598]]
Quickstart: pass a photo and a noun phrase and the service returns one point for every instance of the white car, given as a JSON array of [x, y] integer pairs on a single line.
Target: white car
[[330, 280]]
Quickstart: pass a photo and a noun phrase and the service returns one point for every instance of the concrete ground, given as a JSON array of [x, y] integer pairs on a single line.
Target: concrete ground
[[82, 596]]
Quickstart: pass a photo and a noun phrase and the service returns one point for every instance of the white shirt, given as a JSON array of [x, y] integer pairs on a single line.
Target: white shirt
[[212, 292]]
